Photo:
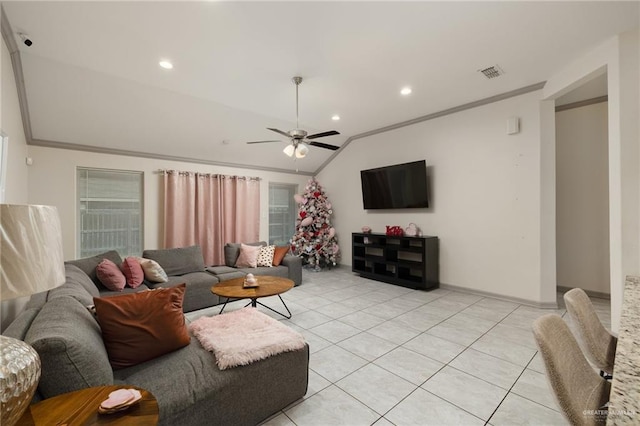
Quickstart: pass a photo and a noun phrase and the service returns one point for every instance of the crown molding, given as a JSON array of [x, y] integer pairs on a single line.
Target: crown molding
[[16, 63], [156, 156], [463, 107]]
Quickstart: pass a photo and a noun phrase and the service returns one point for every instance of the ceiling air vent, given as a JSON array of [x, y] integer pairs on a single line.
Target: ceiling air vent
[[492, 72]]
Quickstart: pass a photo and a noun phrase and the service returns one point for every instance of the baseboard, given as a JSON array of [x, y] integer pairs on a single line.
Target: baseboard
[[590, 293], [532, 303]]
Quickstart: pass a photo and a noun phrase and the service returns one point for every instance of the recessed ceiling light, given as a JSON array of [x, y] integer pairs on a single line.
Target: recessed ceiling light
[[166, 65], [335, 117], [405, 91]]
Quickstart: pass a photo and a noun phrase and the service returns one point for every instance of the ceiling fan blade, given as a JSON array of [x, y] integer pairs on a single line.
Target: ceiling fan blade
[[264, 141], [323, 134], [279, 131], [324, 145]]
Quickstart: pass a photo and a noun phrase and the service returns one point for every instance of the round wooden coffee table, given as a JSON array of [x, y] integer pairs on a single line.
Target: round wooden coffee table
[[267, 286], [81, 408]]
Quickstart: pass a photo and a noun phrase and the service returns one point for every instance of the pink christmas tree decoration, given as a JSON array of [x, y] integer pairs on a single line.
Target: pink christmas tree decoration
[[315, 241]]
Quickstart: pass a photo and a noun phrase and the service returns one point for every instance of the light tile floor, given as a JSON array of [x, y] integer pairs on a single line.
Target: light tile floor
[[383, 354]]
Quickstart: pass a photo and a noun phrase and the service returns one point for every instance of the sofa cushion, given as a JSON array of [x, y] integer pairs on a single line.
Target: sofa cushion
[[126, 290], [178, 261], [231, 275], [141, 326], [77, 285], [191, 389], [232, 251], [88, 264], [19, 326], [133, 272], [110, 275], [69, 343], [248, 257], [275, 271], [198, 294], [219, 270], [279, 253]]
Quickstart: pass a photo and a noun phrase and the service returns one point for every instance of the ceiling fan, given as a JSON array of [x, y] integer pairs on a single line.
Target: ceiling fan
[[300, 138]]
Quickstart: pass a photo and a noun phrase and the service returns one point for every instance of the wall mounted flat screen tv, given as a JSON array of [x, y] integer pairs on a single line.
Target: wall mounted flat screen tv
[[401, 186]]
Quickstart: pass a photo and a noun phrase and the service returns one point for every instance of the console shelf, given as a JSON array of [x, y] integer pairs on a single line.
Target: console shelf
[[406, 261]]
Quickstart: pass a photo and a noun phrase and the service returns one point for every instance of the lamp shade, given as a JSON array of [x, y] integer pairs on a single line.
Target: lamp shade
[[31, 258], [301, 150], [289, 150]]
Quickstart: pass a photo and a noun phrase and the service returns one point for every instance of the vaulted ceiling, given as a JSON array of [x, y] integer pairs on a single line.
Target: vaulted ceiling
[[92, 76]]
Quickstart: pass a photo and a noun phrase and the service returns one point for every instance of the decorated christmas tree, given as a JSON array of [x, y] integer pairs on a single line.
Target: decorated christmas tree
[[315, 240]]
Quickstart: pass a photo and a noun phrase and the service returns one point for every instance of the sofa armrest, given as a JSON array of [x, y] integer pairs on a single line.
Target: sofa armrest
[[294, 263]]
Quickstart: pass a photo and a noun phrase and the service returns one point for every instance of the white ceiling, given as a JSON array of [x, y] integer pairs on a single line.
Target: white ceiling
[[92, 76]]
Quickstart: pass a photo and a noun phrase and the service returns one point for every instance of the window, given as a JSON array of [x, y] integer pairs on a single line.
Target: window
[[282, 213], [110, 212]]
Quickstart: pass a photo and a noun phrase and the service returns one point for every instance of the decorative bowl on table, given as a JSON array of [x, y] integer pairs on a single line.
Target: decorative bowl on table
[[250, 281]]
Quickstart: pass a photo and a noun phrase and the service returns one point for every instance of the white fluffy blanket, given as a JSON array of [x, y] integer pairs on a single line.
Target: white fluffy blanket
[[243, 336]]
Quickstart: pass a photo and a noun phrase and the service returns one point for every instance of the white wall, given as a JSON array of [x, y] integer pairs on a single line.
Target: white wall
[[52, 180], [16, 184], [485, 194], [582, 191], [619, 58], [11, 125]]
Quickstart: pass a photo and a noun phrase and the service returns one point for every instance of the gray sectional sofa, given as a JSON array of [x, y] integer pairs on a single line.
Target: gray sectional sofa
[[189, 387], [186, 265]]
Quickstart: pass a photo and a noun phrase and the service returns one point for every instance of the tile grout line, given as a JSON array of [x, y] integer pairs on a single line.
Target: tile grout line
[[401, 345]]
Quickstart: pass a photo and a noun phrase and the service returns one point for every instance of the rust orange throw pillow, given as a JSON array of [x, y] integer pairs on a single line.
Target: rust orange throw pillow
[[279, 254], [137, 327]]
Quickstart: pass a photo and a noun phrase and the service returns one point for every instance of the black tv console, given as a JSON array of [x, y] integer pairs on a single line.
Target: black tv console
[[406, 261]]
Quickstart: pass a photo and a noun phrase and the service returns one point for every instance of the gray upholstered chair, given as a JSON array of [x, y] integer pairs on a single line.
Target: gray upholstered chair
[[598, 343], [580, 392]]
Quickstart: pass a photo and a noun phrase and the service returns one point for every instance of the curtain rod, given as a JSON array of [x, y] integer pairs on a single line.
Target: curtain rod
[[202, 174]]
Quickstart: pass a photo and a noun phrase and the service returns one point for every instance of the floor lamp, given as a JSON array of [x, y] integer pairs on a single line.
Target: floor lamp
[[31, 261]]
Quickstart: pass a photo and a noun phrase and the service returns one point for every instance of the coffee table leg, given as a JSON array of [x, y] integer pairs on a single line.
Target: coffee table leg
[[279, 313], [224, 306]]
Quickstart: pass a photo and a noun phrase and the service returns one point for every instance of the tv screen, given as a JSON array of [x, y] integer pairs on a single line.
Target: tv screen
[[402, 186]]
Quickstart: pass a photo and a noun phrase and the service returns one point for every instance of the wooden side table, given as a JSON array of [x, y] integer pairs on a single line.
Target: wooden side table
[[81, 408]]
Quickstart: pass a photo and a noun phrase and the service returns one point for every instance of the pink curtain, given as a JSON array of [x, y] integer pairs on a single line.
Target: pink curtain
[[210, 211]]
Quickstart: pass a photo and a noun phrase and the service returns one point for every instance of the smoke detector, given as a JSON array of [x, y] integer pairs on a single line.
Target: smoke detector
[[492, 71]]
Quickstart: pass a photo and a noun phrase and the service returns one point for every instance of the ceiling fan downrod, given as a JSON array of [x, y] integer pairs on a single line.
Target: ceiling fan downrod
[[297, 80]]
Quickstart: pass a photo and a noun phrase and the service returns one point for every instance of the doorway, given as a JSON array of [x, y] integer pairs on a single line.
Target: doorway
[[582, 189]]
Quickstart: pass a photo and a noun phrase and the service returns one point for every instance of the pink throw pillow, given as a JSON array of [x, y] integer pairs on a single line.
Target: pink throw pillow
[[133, 272], [110, 275], [248, 257]]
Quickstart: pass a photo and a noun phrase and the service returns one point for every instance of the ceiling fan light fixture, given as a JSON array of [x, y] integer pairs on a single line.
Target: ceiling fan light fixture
[[289, 150], [302, 151], [300, 139]]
